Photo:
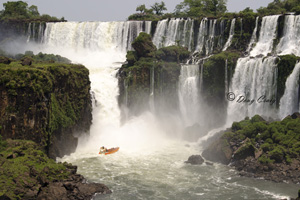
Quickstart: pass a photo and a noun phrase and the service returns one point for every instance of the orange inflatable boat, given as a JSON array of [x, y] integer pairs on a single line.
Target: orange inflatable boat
[[109, 151]]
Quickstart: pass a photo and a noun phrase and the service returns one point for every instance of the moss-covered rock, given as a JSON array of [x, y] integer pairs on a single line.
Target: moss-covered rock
[[264, 148], [143, 65], [45, 103], [172, 54], [285, 66], [143, 45], [27, 173]]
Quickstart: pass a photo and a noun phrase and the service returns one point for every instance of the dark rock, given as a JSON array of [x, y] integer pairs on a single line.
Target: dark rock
[[295, 115], [11, 156], [5, 60], [72, 190], [195, 160], [4, 197], [219, 151], [26, 61]]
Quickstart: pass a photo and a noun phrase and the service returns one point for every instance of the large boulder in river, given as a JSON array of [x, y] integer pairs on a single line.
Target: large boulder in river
[[219, 151], [195, 160]]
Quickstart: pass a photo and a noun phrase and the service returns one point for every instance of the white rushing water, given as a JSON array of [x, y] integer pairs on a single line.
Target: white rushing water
[[290, 42], [231, 34], [189, 93], [254, 88], [289, 102], [266, 36], [206, 36], [253, 37], [173, 32], [150, 162]]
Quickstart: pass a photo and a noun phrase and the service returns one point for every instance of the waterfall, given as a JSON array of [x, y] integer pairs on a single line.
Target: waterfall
[[148, 26], [151, 98], [266, 36], [95, 36], [101, 47], [253, 37], [29, 33], [289, 103], [231, 33], [221, 33], [206, 36], [226, 77], [254, 88], [174, 32], [188, 93], [290, 42]]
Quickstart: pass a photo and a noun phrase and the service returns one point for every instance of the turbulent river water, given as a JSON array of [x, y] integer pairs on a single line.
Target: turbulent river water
[[161, 173]]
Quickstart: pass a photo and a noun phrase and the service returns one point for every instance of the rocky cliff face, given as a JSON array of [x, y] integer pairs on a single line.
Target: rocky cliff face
[[49, 104]]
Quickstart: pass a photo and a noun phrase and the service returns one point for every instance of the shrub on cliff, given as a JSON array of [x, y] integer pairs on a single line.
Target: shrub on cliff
[[172, 54], [279, 140], [143, 45]]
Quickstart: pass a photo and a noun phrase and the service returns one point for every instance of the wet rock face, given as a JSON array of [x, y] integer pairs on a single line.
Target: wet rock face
[[195, 160], [72, 189], [48, 105]]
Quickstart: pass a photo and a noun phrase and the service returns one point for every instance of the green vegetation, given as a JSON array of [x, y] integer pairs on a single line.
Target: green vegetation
[[279, 141], [214, 75], [200, 8], [143, 45], [280, 7], [155, 13], [19, 11], [285, 65], [64, 86], [24, 167]]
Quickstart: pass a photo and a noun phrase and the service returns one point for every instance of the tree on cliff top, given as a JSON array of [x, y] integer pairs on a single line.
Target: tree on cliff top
[[19, 10], [197, 8], [159, 8], [280, 6]]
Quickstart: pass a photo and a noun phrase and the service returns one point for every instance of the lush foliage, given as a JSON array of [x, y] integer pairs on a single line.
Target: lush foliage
[[200, 8], [153, 14], [19, 10], [280, 6], [279, 141], [143, 45], [64, 86], [38, 58], [25, 166]]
